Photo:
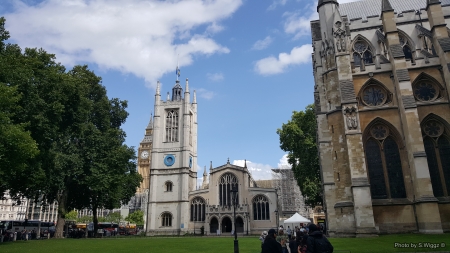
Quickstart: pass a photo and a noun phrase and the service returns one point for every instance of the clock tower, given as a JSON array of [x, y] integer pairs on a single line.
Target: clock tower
[[144, 158], [173, 173]]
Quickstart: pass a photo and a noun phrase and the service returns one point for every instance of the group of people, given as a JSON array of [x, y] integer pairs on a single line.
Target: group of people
[[308, 239]]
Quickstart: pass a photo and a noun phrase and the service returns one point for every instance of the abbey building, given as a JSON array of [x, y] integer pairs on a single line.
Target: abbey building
[[382, 73], [168, 163]]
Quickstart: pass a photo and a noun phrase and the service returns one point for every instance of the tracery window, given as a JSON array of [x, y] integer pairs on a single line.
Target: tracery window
[[166, 220], [384, 164], [261, 208], [374, 95], [362, 54], [425, 89], [198, 209], [172, 126], [168, 186], [437, 148], [227, 182]]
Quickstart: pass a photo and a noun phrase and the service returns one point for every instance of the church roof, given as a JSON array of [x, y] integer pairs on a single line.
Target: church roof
[[367, 8]]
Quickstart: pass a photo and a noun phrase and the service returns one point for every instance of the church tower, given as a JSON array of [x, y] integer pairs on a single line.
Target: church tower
[[173, 172]]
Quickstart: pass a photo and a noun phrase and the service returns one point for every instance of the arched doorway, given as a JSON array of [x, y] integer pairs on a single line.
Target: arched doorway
[[226, 225], [239, 225], [213, 225]]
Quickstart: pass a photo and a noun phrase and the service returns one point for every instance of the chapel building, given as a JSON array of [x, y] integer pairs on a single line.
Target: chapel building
[[382, 73], [168, 159]]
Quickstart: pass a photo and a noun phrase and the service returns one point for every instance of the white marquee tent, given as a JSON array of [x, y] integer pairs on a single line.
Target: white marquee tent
[[296, 219]]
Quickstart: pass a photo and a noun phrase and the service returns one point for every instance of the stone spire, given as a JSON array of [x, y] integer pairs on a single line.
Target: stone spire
[[386, 6], [150, 123], [194, 101], [205, 181], [433, 2], [323, 2], [187, 86], [210, 166], [204, 174], [168, 96], [158, 88], [245, 163]]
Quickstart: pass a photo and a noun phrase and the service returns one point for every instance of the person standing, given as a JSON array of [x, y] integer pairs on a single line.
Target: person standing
[[282, 239], [270, 244], [289, 232], [317, 242]]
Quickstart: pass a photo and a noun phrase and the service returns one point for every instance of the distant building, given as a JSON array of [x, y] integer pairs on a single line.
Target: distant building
[[10, 210]]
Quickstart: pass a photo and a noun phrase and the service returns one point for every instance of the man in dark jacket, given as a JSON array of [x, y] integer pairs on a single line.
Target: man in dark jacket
[[270, 244], [317, 242]]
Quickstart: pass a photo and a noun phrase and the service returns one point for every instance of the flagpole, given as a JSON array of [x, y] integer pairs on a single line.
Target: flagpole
[[177, 66]]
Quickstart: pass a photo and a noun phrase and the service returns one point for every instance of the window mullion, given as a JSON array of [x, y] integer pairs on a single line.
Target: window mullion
[[385, 172]]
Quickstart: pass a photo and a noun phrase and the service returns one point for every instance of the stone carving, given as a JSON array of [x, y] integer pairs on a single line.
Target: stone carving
[[327, 53], [340, 37], [351, 119]]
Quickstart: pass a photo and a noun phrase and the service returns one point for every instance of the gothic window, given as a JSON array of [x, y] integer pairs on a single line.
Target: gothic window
[[374, 95], [362, 54], [198, 209], [261, 208], [425, 89], [407, 47], [437, 148], [172, 126], [166, 220], [226, 183], [168, 186], [384, 164]]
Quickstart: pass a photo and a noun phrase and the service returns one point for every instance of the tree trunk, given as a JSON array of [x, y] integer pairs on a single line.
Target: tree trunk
[[95, 218], [62, 210]]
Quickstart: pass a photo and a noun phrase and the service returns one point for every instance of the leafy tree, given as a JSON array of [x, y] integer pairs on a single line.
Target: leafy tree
[[113, 217], [136, 217], [72, 215], [298, 138], [84, 219]]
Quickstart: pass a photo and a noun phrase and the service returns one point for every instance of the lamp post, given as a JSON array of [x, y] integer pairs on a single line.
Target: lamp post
[[234, 194], [276, 216]]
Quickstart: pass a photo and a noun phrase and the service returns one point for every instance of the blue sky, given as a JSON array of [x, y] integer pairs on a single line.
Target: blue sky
[[248, 60]]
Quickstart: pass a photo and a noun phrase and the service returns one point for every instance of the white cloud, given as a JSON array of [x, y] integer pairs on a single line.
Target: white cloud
[[142, 37], [272, 65], [262, 44], [275, 3], [283, 163], [257, 170], [206, 94], [298, 23], [215, 77]]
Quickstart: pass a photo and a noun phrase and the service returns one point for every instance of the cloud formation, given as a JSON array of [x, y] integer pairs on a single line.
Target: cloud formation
[[262, 44], [142, 37], [215, 77], [273, 65], [298, 23], [276, 3]]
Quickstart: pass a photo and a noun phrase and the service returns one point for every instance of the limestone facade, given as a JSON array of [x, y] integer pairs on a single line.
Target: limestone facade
[[382, 106]]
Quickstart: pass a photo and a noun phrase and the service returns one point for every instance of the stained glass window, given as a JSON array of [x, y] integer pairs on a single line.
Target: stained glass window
[[375, 168], [433, 167], [226, 183], [361, 53], [261, 208], [198, 209], [357, 59], [425, 91], [444, 151], [374, 95], [394, 168]]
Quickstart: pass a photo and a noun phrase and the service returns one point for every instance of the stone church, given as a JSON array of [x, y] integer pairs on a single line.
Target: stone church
[[382, 73], [168, 163]]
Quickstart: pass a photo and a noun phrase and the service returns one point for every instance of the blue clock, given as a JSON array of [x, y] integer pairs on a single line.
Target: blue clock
[[190, 162], [169, 160]]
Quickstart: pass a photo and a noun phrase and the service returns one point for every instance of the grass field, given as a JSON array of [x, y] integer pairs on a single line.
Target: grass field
[[383, 244]]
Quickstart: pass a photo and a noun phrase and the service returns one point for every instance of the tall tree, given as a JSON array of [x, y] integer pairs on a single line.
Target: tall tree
[[298, 138]]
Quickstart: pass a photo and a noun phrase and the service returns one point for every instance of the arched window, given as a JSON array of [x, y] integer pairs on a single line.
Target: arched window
[[384, 164], [437, 148], [198, 209], [407, 47], [172, 126], [166, 220], [227, 182], [261, 208], [168, 186], [362, 53], [426, 88]]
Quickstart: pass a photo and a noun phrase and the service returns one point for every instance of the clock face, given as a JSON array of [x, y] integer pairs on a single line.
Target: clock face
[[144, 154], [169, 160]]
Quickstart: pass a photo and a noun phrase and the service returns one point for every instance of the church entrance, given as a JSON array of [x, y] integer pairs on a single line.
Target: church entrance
[[239, 225], [226, 225], [213, 225]]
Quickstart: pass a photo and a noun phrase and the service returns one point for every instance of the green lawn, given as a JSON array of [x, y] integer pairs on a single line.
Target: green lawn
[[383, 244]]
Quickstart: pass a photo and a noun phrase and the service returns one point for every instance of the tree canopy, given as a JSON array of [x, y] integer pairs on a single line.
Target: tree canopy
[[68, 143], [298, 138], [136, 217]]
